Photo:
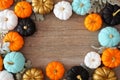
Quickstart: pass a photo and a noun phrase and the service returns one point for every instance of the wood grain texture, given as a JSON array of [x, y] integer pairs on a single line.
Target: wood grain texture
[[56, 40]]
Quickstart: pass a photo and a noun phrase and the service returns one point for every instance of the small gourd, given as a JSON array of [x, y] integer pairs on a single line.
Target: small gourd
[[15, 39], [93, 22], [23, 9], [92, 60], [63, 10], [42, 6], [55, 70], [109, 37], [111, 57], [104, 73], [8, 20], [26, 27], [33, 74], [77, 73], [5, 75], [14, 62], [111, 14], [4, 4], [81, 7]]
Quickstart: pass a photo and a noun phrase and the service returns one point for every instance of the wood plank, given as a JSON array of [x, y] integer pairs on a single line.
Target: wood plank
[[56, 40]]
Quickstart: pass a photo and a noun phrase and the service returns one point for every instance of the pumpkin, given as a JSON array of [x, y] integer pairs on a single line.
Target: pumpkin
[[93, 22], [92, 60], [55, 70], [111, 14], [109, 37], [4, 4], [23, 9], [104, 73], [42, 6], [16, 41], [111, 57], [26, 27], [63, 10], [33, 74], [8, 20], [81, 7], [77, 73], [1, 63], [4, 75], [14, 62]]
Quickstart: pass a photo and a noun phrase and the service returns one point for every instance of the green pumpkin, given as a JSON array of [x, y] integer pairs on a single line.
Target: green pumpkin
[[81, 7], [109, 37], [14, 62]]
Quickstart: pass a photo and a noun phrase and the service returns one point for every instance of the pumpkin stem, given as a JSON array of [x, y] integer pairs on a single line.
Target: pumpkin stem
[[43, 1], [25, 27], [62, 8], [79, 77], [10, 63], [113, 59], [55, 71], [81, 4], [111, 36], [114, 14], [6, 19]]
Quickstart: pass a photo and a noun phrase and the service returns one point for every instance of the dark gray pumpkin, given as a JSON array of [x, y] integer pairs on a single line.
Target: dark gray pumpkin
[[26, 27], [77, 73], [111, 14]]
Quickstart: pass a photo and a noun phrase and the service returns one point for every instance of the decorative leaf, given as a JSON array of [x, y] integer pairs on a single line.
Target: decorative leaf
[[37, 17], [113, 2], [28, 64], [29, 1], [2, 34], [98, 5]]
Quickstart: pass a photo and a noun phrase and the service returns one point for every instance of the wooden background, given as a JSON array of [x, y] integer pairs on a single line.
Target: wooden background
[[64, 41]]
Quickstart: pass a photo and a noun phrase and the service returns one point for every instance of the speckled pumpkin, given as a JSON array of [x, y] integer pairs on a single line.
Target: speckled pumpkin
[[14, 62], [33, 74]]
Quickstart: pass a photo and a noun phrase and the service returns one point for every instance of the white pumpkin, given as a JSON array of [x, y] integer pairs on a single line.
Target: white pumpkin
[[92, 60], [8, 20], [63, 10], [4, 75]]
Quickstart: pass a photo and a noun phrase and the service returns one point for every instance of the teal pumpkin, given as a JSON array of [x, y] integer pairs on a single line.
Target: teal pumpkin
[[81, 7], [14, 62], [109, 37]]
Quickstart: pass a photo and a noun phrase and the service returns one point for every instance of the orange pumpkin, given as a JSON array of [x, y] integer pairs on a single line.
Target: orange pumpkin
[[1, 63], [4, 4], [55, 70], [23, 9], [16, 41], [111, 57], [93, 22]]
